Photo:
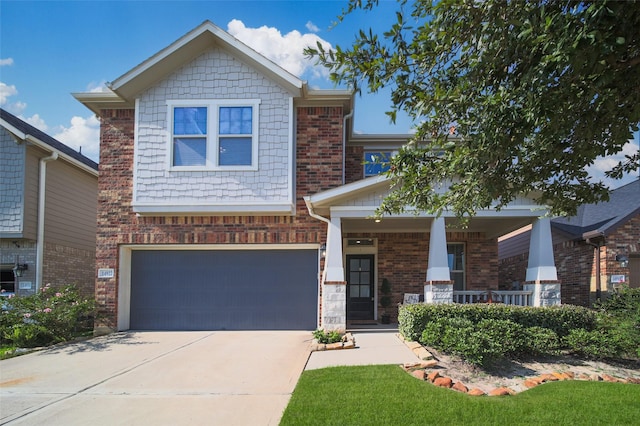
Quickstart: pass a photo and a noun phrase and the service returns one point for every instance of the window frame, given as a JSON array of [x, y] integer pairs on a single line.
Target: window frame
[[463, 261], [213, 135]]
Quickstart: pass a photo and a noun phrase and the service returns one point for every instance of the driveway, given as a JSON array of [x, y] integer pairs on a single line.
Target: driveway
[[159, 378]]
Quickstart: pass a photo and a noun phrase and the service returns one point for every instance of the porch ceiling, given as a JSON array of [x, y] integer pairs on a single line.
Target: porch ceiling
[[493, 227]]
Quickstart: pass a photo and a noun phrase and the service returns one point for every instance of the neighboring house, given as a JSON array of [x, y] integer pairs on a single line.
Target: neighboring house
[[48, 202], [234, 196], [594, 250]]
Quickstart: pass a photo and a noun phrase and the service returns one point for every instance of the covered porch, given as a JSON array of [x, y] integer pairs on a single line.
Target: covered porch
[[369, 265]]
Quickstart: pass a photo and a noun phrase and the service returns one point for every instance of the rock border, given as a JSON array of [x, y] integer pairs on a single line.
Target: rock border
[[421, 370], [347, 342]]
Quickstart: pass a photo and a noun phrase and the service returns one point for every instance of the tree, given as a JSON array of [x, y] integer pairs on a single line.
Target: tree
[[512, 97]]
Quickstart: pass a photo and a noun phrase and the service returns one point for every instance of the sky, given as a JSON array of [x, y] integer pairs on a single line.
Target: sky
[[50, 49]]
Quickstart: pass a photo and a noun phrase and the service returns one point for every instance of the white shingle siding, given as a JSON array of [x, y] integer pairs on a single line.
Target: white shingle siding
[[12, 165], [213, 75]]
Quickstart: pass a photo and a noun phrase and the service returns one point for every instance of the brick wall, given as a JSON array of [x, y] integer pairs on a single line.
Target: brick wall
[[354, 156], [318, 165], [68, 265], [403, 260]]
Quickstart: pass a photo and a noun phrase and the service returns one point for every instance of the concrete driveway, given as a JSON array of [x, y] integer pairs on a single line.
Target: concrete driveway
[[159, 378]]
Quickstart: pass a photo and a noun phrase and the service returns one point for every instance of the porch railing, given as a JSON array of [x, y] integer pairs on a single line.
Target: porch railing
[[520, 298], [469, 296]]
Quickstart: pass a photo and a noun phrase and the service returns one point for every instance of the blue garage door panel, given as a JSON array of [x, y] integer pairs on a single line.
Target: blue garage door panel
[[224, 290]]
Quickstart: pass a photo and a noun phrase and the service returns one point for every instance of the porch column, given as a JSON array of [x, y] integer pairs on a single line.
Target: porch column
[[542, 276], [438, 287], [334, 286]]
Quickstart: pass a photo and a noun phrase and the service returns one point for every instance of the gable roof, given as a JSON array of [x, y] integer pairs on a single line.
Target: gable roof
[[26, 131], [624, 202], [124, 89]]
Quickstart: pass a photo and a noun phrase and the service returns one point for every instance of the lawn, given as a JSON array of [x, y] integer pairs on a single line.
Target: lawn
[[386, 395]]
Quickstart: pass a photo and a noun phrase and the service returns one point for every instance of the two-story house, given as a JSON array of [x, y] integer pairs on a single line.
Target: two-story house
[[48, 202], [234, 196]]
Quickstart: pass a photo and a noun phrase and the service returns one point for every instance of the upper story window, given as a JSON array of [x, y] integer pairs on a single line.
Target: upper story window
[[214, 135], [376, 162]]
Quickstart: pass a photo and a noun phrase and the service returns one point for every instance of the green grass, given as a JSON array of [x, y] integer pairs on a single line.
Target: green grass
[[386, 395]]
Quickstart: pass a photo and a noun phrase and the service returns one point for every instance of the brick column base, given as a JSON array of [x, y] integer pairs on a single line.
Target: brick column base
[[438, 292], [545, 293]]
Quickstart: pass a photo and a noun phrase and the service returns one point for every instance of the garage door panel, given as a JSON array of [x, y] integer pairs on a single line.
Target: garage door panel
[[214, 290]]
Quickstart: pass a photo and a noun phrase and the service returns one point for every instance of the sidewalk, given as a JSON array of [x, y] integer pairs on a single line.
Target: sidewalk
[[373, 346]]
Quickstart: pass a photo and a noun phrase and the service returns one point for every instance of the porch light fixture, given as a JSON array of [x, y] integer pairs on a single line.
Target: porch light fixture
[[623, 260], [323, 251], [19, 268]]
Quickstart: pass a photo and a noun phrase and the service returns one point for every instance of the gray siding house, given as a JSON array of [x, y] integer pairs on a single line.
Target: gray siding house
[[48, 202]]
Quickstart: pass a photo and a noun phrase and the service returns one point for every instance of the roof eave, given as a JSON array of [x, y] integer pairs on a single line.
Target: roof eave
[[97, 101]]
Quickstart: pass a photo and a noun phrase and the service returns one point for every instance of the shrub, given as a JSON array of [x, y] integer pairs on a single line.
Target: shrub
[[595, 344], [323, 336], [541, 341], [47, 317], [412, 319]]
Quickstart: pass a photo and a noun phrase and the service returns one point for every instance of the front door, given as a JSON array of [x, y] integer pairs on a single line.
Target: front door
[[360, 292]]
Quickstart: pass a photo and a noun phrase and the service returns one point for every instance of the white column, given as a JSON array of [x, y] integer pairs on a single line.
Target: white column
[[333, 267], [438, 269], [334, 288], [541, 266]]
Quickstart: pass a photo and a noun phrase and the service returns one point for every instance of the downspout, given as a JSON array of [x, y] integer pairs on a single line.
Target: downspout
[[601, 239], [313, 214], [344, 145], [42, 184]]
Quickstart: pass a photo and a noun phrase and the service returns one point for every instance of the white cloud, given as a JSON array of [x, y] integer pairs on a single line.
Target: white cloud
[[97, 87], [285, 50], [84, 133], [312, 27], [36, 121], [6, 91], [6, 62], [603, 164]]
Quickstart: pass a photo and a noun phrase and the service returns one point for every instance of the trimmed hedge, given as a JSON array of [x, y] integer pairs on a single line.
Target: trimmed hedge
[[413, 319]]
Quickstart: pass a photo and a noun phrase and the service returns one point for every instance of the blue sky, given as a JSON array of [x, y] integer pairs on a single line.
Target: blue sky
[[50, 49]]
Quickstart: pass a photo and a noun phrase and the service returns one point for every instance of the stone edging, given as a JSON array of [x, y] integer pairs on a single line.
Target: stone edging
[[420, 370], [347, 342]]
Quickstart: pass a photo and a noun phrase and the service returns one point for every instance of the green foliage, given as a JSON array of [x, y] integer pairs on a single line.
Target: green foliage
[[596, 344], [412, 319], [47, 317], [385, 290], [541, 341], [536, 90], [323, 336]]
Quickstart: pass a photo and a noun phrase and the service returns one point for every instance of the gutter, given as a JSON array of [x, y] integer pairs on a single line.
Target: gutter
[[312, 213], [344, 143], [42, 185], [588, 237]]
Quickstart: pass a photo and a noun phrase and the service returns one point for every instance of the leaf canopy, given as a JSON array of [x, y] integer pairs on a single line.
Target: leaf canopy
[[513, 98]]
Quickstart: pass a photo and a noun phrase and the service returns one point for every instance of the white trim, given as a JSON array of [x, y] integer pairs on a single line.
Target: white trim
[[247, 208], [212, 137], [136, 129], [291, 156]]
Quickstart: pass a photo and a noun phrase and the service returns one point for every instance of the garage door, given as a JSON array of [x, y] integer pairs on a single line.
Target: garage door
[[224, 290]]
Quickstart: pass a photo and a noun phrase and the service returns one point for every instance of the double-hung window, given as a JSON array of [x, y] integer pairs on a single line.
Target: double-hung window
[[215, 135]]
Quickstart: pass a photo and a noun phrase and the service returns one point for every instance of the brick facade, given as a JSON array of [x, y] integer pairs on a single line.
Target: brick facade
[[575, 263], [402, 258], [318, 167]]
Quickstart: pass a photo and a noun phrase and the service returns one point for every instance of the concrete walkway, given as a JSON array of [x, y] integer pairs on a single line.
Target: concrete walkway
[[161, 378], [373, 346]]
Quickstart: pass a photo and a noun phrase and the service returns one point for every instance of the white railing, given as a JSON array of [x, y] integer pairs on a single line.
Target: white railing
[[520, 298], [469, 296]]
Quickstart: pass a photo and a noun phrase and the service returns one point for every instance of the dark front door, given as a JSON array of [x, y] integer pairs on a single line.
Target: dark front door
[[360, 290]]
